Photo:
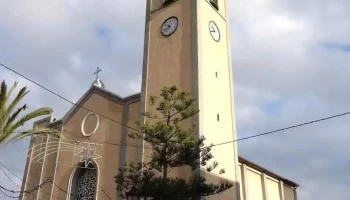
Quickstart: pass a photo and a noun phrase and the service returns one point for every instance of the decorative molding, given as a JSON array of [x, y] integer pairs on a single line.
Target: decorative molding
[[57, 156], [124, 136], [143, 99], [281, 189], [43, 165], [245, 182], [264, 186], [87, 154], [83, 124], [77, 166]]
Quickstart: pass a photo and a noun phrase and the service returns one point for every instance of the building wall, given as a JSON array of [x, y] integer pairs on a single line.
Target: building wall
[[190, 59], [108, 142], [289, 193], [216, 118], [107, 134], [34, 164], [133, 116], [254, 184], [169, 59], [257, 185]]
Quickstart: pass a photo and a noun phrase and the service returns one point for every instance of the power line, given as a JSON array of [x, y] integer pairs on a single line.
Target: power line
[[54, 93], [37, 187], [20, 196], [27, 191], [8, 196], [283, 129], [8, 177], [104, 192], [214, 145]]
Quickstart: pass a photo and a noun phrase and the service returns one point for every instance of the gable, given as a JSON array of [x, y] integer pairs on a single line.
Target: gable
[[96, 116], [103, 93]]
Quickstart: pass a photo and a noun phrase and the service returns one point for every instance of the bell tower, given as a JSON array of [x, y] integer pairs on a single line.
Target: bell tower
[[187, 44]]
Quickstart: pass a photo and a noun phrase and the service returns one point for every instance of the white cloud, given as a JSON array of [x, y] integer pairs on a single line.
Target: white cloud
[[279, 62], [75, 61]]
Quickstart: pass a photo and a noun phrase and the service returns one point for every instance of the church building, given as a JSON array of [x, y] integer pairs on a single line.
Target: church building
[[187, 44]]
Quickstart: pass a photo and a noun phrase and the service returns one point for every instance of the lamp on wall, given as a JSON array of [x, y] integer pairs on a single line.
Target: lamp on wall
[[133, 194]]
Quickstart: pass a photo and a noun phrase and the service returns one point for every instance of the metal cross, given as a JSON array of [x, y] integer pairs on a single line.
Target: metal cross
[[97, 72]]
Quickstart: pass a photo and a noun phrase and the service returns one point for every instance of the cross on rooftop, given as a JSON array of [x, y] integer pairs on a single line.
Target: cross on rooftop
[[97, 72]]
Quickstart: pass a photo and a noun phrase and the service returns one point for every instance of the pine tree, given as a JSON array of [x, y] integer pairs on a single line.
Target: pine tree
[[173, 146]]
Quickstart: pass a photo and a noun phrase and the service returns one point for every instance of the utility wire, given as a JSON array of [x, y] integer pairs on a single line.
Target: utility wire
[[8, 196], [37, 187], [26, 183], [283, 129], [104, 192], [27, 191], [8, 177], [54, 93], [214, 145]]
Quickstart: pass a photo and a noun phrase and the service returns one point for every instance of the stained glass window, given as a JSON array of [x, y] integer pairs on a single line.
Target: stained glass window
[[84, 184], [87, 185]]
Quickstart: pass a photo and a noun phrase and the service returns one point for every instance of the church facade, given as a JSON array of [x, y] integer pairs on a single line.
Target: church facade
[[187, 44], [78, 161]]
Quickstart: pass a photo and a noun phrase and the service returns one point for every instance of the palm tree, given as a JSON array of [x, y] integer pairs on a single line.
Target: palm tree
[[10, 112]]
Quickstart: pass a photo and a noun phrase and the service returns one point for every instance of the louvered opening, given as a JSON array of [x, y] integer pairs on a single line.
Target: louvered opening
[[166, 2], [215, 4]]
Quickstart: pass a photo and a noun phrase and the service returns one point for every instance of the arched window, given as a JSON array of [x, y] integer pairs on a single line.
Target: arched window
[[84, 182]]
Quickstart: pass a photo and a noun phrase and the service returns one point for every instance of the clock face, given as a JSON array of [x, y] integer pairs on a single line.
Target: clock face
[[214, 31], [169, 26]]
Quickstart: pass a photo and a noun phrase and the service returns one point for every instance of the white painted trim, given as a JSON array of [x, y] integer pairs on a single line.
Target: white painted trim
[[254, 170], [43, 166], [241, 187], [246, 187], [69, 189], [72, 176], [264, 186], [272, 179], [58, 153], [28, 170], [281, 190], [231, 82], [83, 124]]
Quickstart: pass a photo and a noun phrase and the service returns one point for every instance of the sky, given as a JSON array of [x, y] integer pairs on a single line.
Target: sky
[[291, 63]]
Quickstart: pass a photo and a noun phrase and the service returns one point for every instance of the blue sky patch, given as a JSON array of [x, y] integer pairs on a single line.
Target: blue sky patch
[[338, 47], [272, 107], [104, 33]]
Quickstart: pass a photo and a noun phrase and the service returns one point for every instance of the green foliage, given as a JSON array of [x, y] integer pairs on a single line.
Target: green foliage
[[11, 117], [173, 146]]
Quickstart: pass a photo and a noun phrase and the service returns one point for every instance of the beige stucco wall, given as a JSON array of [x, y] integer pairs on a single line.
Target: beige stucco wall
[[173, 61], [214, 85], [35, 166], [222, 7], [169, 58], [273, 189], [108, 131], [288, 193], [169, 61], [134, 115], [256, 185]]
